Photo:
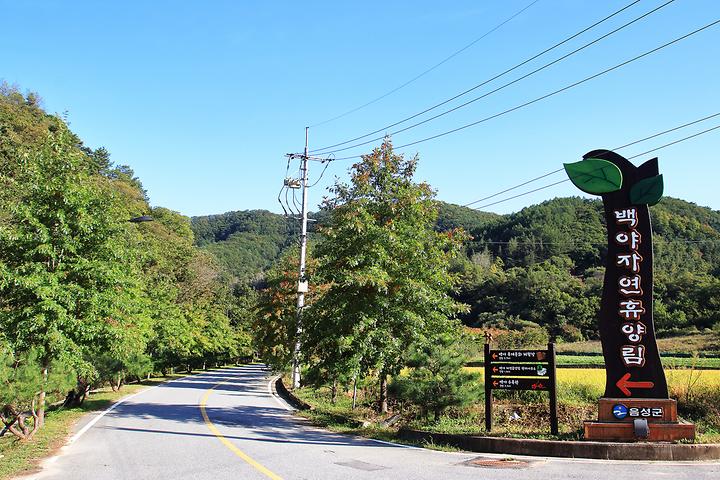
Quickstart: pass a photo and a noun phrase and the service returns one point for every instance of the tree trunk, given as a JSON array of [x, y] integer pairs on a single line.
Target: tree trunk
[[354, 392], [334, 392], [383, 393], [76, 397]]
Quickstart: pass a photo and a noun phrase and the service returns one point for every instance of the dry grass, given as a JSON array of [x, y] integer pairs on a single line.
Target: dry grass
[[699, 342]]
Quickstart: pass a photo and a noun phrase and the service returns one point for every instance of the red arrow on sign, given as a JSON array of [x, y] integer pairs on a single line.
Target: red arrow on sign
[[494, 356], [496, 369], [495, 383], [624, 384]]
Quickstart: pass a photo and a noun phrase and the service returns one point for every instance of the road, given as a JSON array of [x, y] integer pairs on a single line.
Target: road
[[227, 425]]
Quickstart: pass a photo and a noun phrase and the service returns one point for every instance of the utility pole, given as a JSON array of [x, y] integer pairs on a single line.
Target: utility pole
[[302, 279]]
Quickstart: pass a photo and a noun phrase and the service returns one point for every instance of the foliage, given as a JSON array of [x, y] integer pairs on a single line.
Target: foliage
[[436, 379], [84, 291], [386, 270], [275, 320], [24, 387], [544, 264]]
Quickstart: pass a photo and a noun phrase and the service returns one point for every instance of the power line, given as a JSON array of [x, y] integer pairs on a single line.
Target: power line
[[327, 164], [485, 82], [417, 77], [657, 242], [548, 95], [615, 148], [629, 158]]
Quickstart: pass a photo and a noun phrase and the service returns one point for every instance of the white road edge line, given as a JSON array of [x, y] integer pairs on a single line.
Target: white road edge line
[[280, 401], [112, 407]]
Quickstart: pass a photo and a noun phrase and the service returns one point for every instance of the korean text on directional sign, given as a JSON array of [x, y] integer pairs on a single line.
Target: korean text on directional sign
[[520, 370], [539, 384], [519, 355]]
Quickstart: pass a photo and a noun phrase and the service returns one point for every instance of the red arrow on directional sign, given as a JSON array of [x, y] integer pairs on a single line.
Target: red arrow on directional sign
[[624, 384], [496, 369], [494, 356], [495, 383]]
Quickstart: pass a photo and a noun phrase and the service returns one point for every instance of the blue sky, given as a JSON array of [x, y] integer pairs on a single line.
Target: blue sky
[[203, 99]]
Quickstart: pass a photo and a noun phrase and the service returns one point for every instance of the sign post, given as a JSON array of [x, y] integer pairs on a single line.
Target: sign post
[[520, 370], [635, 379]]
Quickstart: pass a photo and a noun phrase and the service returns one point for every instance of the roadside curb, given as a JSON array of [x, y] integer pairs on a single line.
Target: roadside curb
[[291, 399], [570, 449]]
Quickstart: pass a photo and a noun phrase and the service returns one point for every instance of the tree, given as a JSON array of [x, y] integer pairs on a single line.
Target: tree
[[386, 270], [437, 379], [67, 284], [25, 380]]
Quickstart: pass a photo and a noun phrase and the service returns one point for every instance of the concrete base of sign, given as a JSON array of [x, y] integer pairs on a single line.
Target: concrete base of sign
[[624, 432], [616, 417]]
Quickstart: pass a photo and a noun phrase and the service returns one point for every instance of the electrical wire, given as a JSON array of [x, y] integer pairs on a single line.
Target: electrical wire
[[285, 212], [287, 203], [485, 82], [572, 242], [629, 158], [295, 202], [543, 97], [417, 77], [615, 148], [327, 164]]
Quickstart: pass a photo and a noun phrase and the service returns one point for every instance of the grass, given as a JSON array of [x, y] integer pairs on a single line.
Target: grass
[[522, 414], [672, 362], [23, 457], [593, 378], [362, 421], [699, 342]]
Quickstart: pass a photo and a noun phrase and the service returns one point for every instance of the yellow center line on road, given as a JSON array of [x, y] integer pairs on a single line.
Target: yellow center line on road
[[257, 466]]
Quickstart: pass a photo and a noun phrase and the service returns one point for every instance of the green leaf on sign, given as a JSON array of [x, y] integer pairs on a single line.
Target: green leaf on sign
[[595, 176], [647, 191]]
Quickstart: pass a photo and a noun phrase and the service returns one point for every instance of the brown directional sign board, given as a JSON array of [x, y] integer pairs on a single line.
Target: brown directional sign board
[[539, 384], [520, 370], [518, 355]]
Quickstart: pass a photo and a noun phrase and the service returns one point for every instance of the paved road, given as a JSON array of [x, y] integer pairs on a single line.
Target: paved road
[[227, 425]]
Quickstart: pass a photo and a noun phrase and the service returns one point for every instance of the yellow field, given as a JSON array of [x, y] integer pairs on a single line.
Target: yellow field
[[678, 379]]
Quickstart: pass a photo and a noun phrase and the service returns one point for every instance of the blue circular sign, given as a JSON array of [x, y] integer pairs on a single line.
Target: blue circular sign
[[620, 411]]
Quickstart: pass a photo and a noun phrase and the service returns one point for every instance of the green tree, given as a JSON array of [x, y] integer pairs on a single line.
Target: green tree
[[67, 283], [437, 379], [385, 267], [25, 382]]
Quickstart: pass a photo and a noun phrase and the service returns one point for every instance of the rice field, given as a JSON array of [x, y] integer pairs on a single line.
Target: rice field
[[678, 379]]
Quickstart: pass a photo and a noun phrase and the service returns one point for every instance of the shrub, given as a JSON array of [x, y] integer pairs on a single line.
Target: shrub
[[437, 380]]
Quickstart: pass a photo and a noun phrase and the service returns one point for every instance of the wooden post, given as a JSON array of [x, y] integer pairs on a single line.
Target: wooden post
[[488, 390], [553, 389]]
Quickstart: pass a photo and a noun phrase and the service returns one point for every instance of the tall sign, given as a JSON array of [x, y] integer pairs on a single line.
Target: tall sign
[[627, 332], [636, 393]]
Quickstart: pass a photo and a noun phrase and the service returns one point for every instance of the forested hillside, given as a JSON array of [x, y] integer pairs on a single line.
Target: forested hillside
[[543, 267], [538, 271], [86, 296], [248, 242]]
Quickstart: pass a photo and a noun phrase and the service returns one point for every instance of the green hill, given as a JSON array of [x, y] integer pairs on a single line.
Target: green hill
[[247, 242], [539, 267]]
